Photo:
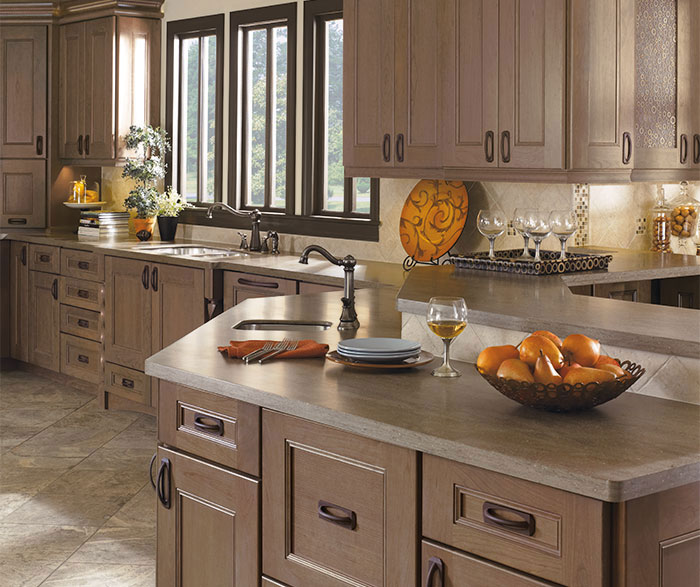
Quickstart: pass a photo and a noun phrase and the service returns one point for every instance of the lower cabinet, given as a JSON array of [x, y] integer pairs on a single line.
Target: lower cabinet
[[337, 509], [680, 292], [242, 286], [19, 301], [208, 528], [43, 319]]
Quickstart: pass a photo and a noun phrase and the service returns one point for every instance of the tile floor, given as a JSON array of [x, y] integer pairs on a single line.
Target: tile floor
[[76, 506]]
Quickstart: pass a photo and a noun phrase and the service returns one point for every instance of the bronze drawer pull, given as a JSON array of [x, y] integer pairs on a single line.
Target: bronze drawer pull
[[399, 147], [505, 142], [150, 470], [83, 293], [84, 265], [253, 283], [684, 149], [435, 565], [80, 145], [626, 148], [83, 359], [39, 145], [386, 148], [202, 426], [144, 277], [489, 146], [17, 221], [87, 144], [45, 258], [696, 148], [349, 520], [154, 279], [54, 289], [23, 255], [524, 526], [163, 492], [83, 323], [128, 383]]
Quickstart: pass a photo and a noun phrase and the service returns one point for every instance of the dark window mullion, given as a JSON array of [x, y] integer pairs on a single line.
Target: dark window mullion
[[245, 82], [200, 113], [269, 85], [182, 165], [319, 118]]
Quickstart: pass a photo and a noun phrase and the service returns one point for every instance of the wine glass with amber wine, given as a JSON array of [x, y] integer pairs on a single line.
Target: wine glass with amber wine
[[447, 317]]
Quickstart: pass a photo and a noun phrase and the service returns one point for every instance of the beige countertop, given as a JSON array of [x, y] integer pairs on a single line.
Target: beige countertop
[[630, 447]]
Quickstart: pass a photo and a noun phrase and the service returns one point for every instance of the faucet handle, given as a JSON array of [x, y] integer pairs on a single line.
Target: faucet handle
[[275, 238], [244, 241]]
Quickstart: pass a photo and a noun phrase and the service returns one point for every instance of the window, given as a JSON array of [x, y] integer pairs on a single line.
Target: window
[[194, 106], [263, 111], [330, 193]]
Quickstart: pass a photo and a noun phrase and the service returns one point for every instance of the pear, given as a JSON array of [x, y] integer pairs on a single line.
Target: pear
[[545, 371], [515, 369]]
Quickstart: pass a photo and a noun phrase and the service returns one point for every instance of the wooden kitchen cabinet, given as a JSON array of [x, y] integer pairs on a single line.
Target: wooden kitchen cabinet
[[19, 301], [680, 292], [43, 319], [23, 78], [109, 80], [23, 193], [208, 532], [337, 509], [629, 291], [240, 286]]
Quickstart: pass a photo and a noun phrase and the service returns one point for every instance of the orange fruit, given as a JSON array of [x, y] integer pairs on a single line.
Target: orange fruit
[[515, 369], [588, 375], [582, 349], [491, 357], [550, 335], [530, 350]]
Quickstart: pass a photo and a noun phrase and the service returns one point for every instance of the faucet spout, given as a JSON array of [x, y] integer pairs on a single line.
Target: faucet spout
[[254, 215]]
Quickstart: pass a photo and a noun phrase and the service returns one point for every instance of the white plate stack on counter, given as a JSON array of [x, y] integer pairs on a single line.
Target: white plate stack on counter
[[378, 350]]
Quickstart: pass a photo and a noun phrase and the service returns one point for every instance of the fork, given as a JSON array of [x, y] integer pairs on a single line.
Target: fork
[[291, 345], [277, 347], [266, 347]]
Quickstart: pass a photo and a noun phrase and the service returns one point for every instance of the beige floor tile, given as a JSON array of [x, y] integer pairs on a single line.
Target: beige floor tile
[[18, 573], [141, 434], [9, 502], [26, 479], [37, 461], [118, 459], [86, 482], [46, 508], [90, 575], [42, 393], [41, 542], [20, 424], [115, 545], [140, 510]]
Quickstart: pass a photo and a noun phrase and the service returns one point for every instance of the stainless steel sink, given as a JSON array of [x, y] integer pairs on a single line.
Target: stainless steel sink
[[282, 325], [191, 251]]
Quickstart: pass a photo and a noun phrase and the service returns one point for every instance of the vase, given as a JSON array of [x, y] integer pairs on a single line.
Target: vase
[[167, 225], [144, 228]]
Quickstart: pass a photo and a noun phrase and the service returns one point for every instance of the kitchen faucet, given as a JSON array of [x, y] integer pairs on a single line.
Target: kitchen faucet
[[348, 318], [254, 215]]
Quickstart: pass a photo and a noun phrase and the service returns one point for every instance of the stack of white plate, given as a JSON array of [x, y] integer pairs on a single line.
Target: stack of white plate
[[378, 350]]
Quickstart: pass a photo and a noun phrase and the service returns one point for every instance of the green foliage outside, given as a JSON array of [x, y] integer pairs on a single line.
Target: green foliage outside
[[151, 145]]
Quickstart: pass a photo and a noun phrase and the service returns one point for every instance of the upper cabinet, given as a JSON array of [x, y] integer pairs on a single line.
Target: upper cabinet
[[584, 90], [109, 80], [23, 76]]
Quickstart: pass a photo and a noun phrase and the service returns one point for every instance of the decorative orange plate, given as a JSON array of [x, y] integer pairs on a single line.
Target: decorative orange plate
[[433, 218]]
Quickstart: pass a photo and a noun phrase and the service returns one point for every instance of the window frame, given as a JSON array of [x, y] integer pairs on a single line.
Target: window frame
[[256, 19], [187, 29]]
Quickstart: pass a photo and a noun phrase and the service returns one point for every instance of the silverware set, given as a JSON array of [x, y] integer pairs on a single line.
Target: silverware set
[[270, 350]]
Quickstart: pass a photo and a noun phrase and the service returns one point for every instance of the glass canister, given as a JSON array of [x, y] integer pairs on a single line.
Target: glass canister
[[684, 213], [661, 224]]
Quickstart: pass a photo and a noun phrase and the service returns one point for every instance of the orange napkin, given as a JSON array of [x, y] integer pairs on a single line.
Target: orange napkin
[[306, 349]]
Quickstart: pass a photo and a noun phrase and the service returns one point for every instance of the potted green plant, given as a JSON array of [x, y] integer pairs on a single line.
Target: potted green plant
[[147, 170], [169, 205]]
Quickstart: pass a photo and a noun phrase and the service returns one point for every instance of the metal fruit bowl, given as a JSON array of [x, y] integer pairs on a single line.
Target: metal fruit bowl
[[565, 397]]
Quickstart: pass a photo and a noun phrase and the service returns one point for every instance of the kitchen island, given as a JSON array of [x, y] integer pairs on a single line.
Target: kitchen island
[[582, 476]]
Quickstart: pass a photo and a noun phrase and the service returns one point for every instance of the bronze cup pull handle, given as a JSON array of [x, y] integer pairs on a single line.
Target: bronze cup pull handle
[[489, 146], [83, 323], [201, 424], [435, 566], [44, 258], [349, 520], [83, 293], [526, 524], [83, 359], [163, 483], [386, 148], [128, 383], [253, 283], [84, 265]]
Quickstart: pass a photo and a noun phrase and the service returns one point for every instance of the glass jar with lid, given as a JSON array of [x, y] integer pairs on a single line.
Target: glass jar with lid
[[660, 223], [684, 213]]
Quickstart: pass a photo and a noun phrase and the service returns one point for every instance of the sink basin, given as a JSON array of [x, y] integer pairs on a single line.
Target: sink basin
[[192, 251], [282, 325]]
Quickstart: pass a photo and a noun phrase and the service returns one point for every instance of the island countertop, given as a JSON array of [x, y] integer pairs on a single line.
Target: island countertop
[[630, 447]]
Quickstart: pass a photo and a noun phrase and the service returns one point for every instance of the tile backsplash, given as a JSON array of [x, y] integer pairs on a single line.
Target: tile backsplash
[[608, 216]]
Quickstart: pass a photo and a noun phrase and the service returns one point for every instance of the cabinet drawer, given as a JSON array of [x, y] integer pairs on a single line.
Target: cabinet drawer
[[128, 383], [81, 322], [81, 293], [219, 429], [242, 286], [537, 529], [444, 567], [81, 358], [82, 264], [44, 258], [338, 509], [308, 288]]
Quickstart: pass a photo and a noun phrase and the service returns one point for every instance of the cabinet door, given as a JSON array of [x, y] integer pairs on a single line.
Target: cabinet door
[[338, 509], [24, 96], [208, 533], [368, 83], [602, 84], [417, 92], [44, 320], [128, 312], [469, 77], [71, 90], [23, 193], [664, 104], [98, 125], [19, 301], [178, 303], [532, 83], [695, 82]]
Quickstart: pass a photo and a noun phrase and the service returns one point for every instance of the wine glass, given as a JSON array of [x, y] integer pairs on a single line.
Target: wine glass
[[447, 317], [491, 224], [537, 227], [563, 225], [519, 226]]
